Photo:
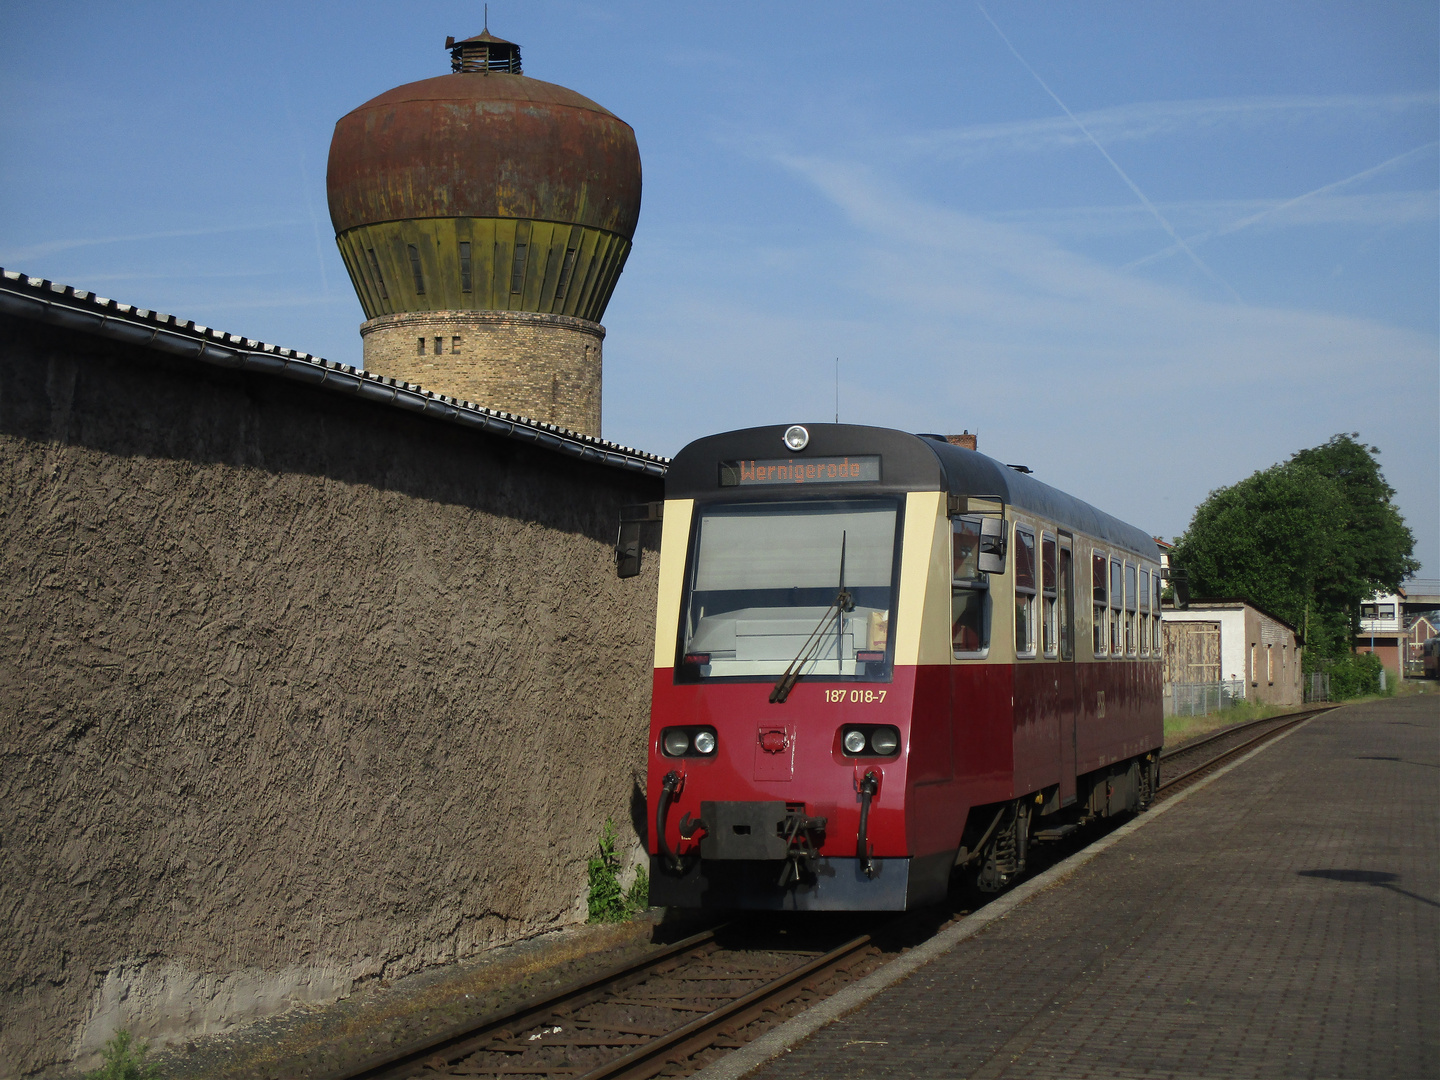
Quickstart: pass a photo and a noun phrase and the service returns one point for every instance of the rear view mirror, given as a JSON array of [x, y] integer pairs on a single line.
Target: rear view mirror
[[627, 549], [992, 545], [1179, 579], [630, 539]]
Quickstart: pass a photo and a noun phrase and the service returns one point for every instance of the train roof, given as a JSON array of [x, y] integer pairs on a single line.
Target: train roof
[[908, 463]]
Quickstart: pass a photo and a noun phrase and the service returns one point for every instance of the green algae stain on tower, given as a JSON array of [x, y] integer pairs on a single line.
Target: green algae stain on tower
[[484, 217]]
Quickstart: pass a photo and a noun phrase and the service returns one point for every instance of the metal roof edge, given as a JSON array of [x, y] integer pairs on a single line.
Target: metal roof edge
[[42, 300], [1228, 603]]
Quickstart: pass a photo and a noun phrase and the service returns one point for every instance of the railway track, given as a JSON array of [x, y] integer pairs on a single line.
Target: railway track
[[673, 1011], [1203, 756], [680, 1008]]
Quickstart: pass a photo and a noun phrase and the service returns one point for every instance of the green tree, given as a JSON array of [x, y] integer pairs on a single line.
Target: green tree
[[1307, 540]]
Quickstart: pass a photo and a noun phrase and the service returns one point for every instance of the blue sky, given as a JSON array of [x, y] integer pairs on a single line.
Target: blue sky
[[1143, 248]]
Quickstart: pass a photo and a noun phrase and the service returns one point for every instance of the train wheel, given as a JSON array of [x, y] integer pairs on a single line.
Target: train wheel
[[1004, 855]]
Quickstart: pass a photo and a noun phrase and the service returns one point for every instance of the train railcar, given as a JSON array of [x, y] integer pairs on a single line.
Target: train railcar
[[880, 657]]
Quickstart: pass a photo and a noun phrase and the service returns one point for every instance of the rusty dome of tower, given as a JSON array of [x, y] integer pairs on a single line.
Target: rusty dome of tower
[[484, 143], [483, 191]]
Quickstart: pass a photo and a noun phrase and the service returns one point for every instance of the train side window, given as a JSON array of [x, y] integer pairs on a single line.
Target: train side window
[[1024, 591], [1065, 602], [969, 593], [1097, 581], [967, 548], [1048, 581], [1144, 612], [1132, 615], [1117, 597], [1155, 625]]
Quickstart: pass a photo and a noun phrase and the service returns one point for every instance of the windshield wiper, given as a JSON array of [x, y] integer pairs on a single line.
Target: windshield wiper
[[843, 602]]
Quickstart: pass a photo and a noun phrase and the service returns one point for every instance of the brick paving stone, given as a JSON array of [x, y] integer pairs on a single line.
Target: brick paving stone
[[1282, 922]]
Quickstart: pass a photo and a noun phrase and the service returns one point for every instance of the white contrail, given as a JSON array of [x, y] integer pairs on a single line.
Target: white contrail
[[1159, 217], [1246, 222]]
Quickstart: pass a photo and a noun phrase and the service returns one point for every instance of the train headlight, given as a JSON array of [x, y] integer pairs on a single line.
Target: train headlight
[[705, 742], [676, 742], [884, 741], [870, 740], [796, 438]]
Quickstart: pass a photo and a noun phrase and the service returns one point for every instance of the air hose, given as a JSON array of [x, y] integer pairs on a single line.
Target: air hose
[[667, 796], [868, 786]]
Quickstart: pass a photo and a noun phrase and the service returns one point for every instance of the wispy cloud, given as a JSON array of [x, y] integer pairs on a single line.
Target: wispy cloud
[[1378, 209], [14, 256], [1279, 208], [1160, 218], [1148, 120], [945, 319]]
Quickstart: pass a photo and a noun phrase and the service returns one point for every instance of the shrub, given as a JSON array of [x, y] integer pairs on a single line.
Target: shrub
[[124, 1059], [607, 901], [1357, 675]]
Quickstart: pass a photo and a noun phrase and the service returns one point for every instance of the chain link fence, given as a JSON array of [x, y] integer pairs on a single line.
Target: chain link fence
[[1198, 699]]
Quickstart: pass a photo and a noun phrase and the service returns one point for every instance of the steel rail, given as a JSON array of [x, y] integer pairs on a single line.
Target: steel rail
[[1235, 729], [462, 1041], [647, 1060], [1286, 722]]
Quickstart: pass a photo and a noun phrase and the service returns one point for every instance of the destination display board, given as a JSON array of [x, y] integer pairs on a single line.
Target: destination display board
[[862, 469]]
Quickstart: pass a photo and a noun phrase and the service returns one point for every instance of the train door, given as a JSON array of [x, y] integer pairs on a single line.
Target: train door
[[1065, 669]]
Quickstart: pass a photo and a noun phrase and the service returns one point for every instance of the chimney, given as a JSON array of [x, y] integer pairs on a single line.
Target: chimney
[[964, 439]]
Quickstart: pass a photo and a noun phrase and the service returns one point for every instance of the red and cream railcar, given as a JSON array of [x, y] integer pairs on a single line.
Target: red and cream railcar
[[880, 657]]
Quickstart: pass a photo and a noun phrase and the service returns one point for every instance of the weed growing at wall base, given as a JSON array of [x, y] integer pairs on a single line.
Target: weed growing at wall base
[[124, 1059], [607, 901]]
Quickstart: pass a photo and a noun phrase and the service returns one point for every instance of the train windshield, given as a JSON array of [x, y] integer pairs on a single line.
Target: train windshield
[[765, 590]]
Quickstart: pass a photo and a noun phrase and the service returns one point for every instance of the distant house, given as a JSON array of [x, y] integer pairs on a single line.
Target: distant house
[[1419, 630], [1233, 641], [1382, 629]]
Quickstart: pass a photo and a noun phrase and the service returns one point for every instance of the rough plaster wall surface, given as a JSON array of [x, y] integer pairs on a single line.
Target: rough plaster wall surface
[[294, 692]]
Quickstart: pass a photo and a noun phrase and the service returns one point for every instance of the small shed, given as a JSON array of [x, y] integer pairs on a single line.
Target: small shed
[[1232, 641]]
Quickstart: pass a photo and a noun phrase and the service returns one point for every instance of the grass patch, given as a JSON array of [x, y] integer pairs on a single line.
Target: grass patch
[[1182, 729]]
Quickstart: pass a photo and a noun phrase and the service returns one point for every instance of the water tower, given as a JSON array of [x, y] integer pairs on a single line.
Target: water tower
[[485, 217]]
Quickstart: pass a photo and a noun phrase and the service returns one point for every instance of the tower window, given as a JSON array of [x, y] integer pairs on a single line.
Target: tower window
[[379, 277], [464, 266], [420, 347], [415, 269], [517, 266], [566, 268], [455, 344]]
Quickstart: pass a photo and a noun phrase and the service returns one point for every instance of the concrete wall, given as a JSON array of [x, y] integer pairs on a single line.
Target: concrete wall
[[295, 691], [546, 367]]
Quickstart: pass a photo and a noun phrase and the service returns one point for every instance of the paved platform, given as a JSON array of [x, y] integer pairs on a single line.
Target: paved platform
[[1284, 921]]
